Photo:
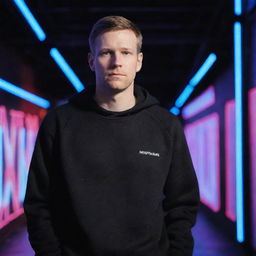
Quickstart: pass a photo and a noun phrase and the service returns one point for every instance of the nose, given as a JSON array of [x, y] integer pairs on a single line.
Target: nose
[[117, 60]]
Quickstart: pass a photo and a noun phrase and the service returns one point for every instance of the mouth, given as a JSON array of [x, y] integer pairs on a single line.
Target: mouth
[[116, 74]]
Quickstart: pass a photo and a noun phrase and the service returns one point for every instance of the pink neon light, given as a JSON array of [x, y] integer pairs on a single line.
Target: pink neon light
[[10, 217], [10, 187], [203, 141], [200, 103], [252, 133], [10, 198], [230, 163]]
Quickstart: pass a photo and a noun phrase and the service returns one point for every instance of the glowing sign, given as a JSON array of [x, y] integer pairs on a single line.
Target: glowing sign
[[230, 159], [252, 130], [17, 139], [200, 103], [203, 141]]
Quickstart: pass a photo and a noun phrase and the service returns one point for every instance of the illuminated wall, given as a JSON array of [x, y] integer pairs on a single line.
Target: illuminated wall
[[203, 140], [230, 156], [209, 124], [18, 132], [210, 128], [252, 123], [19, 124], [231, 178], [250, 4], [204, 143], [252, 131]]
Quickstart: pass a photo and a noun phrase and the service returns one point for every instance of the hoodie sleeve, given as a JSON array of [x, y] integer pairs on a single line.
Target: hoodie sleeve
[[37, 199], [181, 191]]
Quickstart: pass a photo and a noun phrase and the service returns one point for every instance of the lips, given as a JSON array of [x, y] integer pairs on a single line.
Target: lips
[[116, 74]]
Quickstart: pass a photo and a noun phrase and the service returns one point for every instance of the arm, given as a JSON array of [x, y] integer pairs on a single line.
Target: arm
[[181, 201], [37, 199]]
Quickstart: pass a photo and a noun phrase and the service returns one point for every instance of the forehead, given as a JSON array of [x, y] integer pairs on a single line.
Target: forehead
[[117, 39]]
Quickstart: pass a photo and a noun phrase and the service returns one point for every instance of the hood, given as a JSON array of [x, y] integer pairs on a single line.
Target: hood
[[85, 100]]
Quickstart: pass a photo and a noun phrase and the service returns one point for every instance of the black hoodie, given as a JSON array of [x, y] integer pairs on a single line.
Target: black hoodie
[[104, 183]]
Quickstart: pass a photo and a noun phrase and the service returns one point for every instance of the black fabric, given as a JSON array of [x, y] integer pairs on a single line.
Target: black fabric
[[85, 100], [104, 183]]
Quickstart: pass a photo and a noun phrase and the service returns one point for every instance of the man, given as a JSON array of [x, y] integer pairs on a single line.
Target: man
[[111, 173]]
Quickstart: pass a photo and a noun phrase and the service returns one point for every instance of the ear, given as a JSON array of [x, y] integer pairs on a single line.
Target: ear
[[139, 61], [91, 61]]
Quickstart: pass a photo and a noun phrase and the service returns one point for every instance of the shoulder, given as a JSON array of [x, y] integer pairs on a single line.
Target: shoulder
[[57, 116], [165, 118]]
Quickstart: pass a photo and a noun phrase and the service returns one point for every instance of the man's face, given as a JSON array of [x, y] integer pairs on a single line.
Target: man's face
[[115, 59]]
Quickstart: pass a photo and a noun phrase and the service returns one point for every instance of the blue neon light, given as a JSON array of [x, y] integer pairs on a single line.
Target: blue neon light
[[195, 80], [184, 96], [22, 165], [239, 130], [175, 111], [24, 94], [203, 69], [66, 69], [238, 7], [30, 19]]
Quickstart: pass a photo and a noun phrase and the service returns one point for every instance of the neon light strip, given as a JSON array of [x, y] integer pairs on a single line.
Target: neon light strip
[[202, 102], [11, 217], [19, 92], [203, 69], [30, 19], [53, 52], [239, 130], [238, 7], [252, 136], [230, 159], [184, 96], [194, 81], [204, 144], [175, 111], [66, 69]]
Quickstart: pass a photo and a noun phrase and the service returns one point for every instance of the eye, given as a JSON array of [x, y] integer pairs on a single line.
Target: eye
[[126, 52], [105, 53]]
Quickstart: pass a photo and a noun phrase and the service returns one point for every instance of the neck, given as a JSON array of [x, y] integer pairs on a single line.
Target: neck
[[115, 101]]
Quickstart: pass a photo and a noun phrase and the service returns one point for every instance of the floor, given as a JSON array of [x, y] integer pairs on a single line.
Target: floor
[[209, 241]]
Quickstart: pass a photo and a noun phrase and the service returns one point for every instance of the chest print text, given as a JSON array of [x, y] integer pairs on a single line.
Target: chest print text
[[149, 153]]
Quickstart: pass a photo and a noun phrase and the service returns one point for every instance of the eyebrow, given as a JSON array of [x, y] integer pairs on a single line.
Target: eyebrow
[[109, 49], [128, 49]]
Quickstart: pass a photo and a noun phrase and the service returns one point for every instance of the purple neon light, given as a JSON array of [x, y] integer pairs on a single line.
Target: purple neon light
[[252, 133], [200, 103], [203, 141], [14, 160], [230, 157]]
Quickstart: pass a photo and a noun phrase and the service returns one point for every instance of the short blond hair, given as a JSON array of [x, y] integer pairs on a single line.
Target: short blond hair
[[113, 23]]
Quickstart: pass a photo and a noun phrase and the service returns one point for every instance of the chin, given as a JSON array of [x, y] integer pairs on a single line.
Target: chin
[[118, 86]]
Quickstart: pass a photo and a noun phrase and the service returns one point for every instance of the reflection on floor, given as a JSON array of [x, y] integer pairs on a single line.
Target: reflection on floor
[[208, 242]]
